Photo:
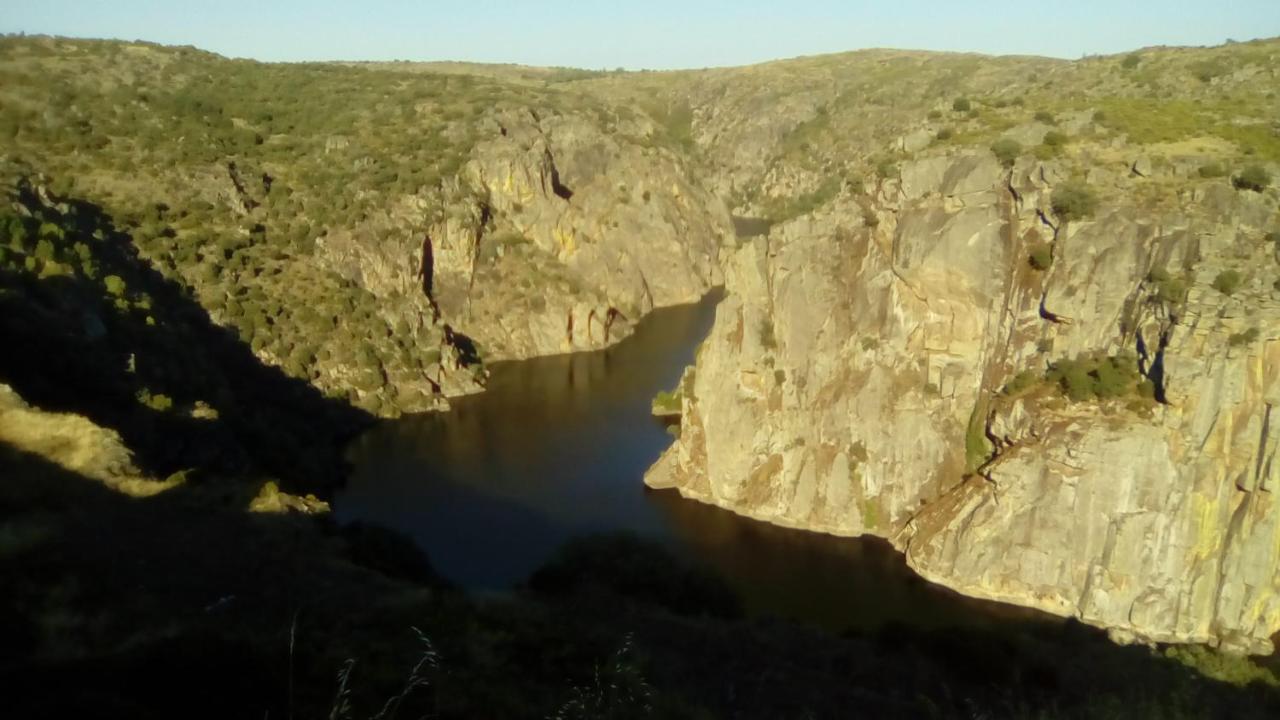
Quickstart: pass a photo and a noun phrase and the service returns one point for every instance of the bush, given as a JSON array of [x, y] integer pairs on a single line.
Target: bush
[[1055, 139], [1227, 282], [44, 250], [1073, 201], [1007, 151], [1170, 290], [1254, 177], [945, 134], [1041, 256], [634, 569], [962, 105], [1243, 338], [1021, 382], [1096, 376], [667, 402], [1045, 117], [1131, 61], [114, 285], [935, 114], [1212, 170]]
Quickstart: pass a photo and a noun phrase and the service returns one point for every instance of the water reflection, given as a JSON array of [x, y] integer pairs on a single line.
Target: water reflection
[[558, 447]]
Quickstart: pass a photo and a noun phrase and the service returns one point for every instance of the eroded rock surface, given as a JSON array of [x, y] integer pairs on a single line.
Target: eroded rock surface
[[853, 384]]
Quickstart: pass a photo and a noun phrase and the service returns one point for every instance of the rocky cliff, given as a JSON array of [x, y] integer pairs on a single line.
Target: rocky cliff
[[894, 364], [380, 231]]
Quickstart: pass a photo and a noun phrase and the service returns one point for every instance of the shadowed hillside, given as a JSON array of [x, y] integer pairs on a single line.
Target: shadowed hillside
[[94, 330]]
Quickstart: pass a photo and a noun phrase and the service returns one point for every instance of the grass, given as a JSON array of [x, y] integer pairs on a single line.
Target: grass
[[1148, 121], [667, 402], [977, 448]]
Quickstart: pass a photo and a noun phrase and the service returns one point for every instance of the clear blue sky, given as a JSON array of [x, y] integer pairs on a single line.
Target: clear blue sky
[[647, 34]]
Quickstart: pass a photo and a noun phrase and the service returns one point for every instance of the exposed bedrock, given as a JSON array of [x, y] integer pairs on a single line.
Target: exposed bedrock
[[860, 378]]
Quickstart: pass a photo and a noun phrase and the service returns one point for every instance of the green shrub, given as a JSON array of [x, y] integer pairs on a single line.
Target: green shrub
[[114, 285], [1021, 382], [1131, 61], [1055, 139], [666, 402], [1206, 70], [1073, 201], [1169, 290], [1212, 170], [1254, 177], [1041, 256], [1101, 377], [1227, 282], [44, 250], [945, 134], [157, 402], [977, 447], [935, 114], [1045, 117], [1243, 338], [962, 105], [1007, 151]]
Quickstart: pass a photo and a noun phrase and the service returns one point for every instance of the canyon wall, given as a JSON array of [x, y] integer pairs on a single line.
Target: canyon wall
[[885, 366]]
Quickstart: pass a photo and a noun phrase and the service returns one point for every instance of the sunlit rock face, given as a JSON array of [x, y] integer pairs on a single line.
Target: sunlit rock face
[[856, 382], [557, 236]]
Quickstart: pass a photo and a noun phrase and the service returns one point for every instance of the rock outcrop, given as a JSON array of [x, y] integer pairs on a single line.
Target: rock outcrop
[[859, 379]]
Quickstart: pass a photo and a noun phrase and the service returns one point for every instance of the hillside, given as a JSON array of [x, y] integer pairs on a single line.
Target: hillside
[[376, 230]]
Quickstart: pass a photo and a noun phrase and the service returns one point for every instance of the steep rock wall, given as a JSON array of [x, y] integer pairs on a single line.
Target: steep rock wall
[[853, 384], [558, 236]]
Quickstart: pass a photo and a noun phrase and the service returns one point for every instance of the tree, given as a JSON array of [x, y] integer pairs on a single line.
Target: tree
[[1041, 257], [114, 284], [1227, 282], [1073, 201], [1007, 151], [1254, 177]]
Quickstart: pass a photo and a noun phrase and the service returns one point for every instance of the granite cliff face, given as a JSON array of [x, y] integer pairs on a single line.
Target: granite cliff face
[[858, 380], [557, 236]]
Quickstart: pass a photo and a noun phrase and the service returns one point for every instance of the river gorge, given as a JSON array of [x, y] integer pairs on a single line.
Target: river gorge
[[557, 448]]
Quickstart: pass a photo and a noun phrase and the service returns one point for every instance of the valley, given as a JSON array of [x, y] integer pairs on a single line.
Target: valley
[[300, 356]]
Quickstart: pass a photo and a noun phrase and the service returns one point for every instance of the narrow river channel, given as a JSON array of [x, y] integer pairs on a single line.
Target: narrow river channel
[[558, 446]]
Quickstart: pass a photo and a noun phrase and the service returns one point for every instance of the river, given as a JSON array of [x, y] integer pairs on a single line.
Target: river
[[557, 447]]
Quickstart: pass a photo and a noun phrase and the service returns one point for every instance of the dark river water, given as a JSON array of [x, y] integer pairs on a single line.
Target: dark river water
[[558, 446]]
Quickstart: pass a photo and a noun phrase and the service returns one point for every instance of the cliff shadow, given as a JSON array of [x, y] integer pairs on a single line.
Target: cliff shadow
[[91, 328]]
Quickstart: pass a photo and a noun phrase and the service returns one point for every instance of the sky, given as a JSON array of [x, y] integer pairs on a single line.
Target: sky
[[654, 34]]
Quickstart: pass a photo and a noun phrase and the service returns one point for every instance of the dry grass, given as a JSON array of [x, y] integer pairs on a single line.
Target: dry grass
[[75, 443]]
